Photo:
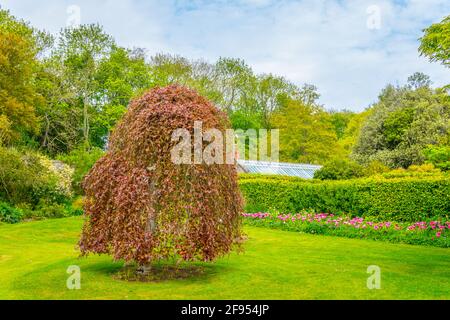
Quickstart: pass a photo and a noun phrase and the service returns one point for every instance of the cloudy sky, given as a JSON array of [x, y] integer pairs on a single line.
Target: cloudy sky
[[349, 49]]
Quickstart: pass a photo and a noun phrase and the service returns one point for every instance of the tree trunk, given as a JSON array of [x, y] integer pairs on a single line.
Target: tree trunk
[[144, 269], [85, 121]]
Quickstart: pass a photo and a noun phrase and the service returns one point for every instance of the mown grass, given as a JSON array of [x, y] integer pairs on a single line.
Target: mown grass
[[276, 264]]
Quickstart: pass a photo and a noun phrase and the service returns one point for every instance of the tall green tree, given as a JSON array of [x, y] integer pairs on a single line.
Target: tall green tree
[[435, 43], [309, 94], [121, 75], [19, 94], [401, 124], [271, 93], [353, 130], [306, 134], [234, 79], [169, 69], [80, 51], [340, 121]]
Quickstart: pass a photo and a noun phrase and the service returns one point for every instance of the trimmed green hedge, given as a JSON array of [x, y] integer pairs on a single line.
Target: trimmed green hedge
[[253, 176], [403, 199]]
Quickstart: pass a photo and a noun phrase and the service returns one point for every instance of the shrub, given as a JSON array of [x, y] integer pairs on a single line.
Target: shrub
[[439, 156], [373, 168], [397, 199], [82, 160], [9, 214], [77, 203], [55, 211], [339, 170], [28, 177], [62, 173], [414, 171], [252, 176], [140, 206], [51, 211]]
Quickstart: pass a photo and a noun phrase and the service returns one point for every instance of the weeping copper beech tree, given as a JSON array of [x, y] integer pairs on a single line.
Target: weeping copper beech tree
[[140, 206]]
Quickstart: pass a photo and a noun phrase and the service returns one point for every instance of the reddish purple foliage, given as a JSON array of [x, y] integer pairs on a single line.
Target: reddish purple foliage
[[142, 207]]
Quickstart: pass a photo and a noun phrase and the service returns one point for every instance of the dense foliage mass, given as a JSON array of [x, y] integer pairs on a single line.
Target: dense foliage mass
[[61, 95], [435, 44], [396, 198], [402, 124], [29, 178], [140, 206], [64, 93]]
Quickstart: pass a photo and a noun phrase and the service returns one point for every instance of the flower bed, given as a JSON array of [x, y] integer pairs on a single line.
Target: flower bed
[[435, 233]]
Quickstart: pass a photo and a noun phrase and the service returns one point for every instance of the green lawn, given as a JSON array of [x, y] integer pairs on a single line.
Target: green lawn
[[276, 264]]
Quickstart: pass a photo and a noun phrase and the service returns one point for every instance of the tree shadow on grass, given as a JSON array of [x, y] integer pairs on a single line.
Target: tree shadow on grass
[[157, 272], [166, 271], [49, 281]]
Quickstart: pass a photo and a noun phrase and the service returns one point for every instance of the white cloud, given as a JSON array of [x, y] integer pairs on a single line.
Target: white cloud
[[326, 43]]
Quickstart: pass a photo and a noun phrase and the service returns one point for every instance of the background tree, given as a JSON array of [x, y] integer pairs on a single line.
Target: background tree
[[80, 51], [306, 134], [61, 116], [401, 124], [435, 42], [118, 75], [19, 96], [352, 130], [234, 79], [309, 94], [340, 121], [170, 69], [419, 80], [439, 156], [271, 93], [166, 69], [121, 75]]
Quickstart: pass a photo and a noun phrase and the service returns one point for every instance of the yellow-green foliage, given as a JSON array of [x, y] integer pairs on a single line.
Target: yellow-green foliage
[[27, 177], [311, 140], [63, 173], [82, 161], [5, 129], [416, 171]]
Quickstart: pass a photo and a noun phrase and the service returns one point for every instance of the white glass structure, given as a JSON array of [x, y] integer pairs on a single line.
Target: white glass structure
[[305, 171]]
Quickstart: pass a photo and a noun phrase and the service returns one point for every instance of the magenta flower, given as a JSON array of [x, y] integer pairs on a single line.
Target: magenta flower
[[332, 221]]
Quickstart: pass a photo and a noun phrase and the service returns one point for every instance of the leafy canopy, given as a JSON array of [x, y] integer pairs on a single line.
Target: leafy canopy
[[402, 124], [140, 206], [435, 43]]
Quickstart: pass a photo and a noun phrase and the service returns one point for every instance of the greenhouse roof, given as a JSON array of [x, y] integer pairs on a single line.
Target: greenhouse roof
[[305, 171]]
